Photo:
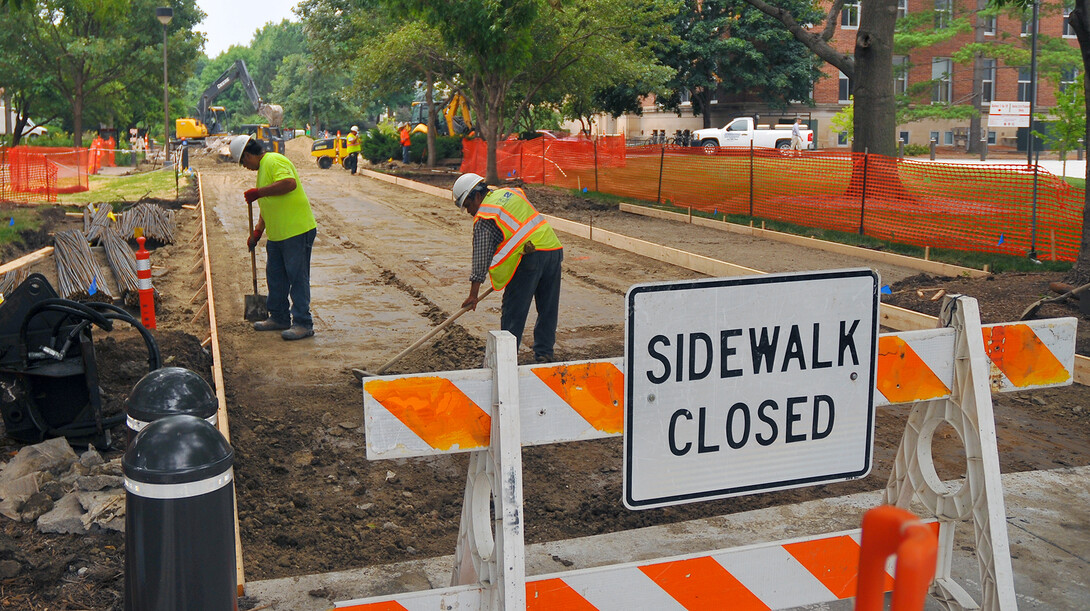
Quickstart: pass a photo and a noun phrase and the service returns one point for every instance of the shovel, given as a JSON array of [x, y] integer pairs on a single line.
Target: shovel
[[256, 310], [361, 373]]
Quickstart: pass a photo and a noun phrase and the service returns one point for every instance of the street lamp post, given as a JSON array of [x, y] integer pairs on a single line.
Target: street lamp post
[[1031, 140], [164, 14], [310, 86]]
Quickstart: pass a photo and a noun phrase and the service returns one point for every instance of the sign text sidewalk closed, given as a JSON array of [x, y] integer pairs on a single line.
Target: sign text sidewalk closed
[[748, 384]]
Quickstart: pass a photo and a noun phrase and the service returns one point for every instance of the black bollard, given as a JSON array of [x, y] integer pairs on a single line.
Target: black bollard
[[179, 518], [169, 391]]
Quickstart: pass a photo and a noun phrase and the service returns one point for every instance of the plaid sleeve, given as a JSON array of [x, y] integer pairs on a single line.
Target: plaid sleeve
[[487, 237]]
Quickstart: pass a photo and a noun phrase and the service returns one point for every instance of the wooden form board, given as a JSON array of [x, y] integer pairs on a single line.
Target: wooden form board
[[25, 260], [931, 267], [217, 373], [898, 319]]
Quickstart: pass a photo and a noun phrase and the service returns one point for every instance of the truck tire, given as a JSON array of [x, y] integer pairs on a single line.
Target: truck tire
[[783, 145], [325, 162], [709, 146]]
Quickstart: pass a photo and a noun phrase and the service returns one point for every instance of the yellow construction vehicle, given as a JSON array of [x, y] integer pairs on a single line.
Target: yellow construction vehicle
[[328, 151], [212, 120], [454, 117]]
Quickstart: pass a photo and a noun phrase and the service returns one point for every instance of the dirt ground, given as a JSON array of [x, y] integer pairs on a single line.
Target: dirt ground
[[388, 265]]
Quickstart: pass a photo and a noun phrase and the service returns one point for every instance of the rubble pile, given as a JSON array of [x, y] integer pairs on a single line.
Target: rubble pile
[[62, 492]]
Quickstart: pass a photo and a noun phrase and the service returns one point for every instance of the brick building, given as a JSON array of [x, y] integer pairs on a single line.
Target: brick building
[[929, 72]]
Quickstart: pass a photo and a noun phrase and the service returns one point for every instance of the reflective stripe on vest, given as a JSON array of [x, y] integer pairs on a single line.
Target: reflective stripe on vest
[[520, 223]]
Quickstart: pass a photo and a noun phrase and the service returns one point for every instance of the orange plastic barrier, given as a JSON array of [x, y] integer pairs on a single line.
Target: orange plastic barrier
[[981, 208], [35, 173], [891, 530]]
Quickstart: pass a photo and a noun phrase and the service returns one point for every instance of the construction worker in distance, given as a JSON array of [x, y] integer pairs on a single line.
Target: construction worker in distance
[[353, 141], [521, 255], [286, 214], [406, 142]]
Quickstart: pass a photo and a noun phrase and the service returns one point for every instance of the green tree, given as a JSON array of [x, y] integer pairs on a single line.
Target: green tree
[[270, 45], [94, 53], [300, 85], [1068, 121], [505, 54]]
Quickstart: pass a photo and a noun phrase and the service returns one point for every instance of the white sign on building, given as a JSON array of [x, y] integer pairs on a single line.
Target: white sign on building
[[748, 384]]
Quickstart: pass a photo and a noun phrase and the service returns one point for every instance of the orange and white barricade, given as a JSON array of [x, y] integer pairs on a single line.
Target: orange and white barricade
[[948, 375], [143, 284]]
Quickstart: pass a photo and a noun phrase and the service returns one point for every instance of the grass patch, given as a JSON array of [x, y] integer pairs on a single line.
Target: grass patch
[[1078, 183], [976, 260], [24, 219], [114, 189]]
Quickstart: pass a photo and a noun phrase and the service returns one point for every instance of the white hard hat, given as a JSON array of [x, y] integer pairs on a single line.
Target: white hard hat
[[355, 128], [237, 144], [465, 185]]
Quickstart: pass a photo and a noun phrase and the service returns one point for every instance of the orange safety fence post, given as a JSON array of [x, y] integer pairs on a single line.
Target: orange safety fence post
[[891, 530], [144, 288]]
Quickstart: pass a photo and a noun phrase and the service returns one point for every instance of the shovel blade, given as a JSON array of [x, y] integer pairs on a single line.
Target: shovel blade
[[256, 310]]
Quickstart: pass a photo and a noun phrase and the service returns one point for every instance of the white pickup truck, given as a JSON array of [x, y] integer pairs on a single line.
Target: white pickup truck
[[740, 131]]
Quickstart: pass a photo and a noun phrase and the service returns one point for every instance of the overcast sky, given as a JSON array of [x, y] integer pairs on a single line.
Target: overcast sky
[[233, 22]]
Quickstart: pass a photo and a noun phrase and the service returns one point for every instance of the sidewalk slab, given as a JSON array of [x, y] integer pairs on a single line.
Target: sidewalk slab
[[1048, 524]]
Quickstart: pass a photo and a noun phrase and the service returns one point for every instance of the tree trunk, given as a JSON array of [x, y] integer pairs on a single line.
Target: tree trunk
[[875, 120], [705, 106], [975, 123], [429, 97], [492, 139], [77, 113], [1080, 273]]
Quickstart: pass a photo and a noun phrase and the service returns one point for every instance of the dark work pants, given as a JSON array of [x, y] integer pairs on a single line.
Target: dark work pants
[[353, 161], [404, 154], [288, 274], [537, 277]]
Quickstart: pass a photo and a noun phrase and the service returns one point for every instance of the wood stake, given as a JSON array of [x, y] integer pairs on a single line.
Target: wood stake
[[987, 268], [207, 340], [1051, 244], [762, 225], [203, 310], [926, 253], [201, 291]]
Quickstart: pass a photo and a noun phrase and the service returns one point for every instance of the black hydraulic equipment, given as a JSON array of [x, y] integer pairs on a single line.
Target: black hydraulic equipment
[[49, 380]]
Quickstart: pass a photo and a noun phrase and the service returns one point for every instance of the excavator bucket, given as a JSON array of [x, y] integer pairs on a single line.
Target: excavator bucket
[[273, 112]]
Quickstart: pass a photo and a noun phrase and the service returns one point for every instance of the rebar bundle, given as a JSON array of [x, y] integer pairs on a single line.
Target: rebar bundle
[[122, 261], [12, 279], [78, 274], [158, 222], [100, 221]]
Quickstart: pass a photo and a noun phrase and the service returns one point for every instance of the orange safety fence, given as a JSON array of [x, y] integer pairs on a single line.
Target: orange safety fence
[[36, 173], [982, 208]]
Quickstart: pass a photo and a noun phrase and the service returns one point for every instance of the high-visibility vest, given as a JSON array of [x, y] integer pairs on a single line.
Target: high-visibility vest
[[405, 141], [520, 223]]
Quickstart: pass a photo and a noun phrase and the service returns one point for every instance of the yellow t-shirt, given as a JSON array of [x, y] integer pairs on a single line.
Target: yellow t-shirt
[[288, 215]]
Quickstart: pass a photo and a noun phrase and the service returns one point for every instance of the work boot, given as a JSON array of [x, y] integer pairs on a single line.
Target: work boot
[[543, 358], [297, 332], [270, 324]]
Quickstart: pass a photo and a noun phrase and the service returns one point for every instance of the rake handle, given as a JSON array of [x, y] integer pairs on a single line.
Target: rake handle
[[430, 334], [253, 254]]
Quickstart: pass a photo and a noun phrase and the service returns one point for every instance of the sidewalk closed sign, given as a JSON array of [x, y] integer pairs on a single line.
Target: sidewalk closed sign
[[748, 384]]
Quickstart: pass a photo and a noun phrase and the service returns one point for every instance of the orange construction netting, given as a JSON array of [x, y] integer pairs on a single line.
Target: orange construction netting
[[969, 207], [36, 173]]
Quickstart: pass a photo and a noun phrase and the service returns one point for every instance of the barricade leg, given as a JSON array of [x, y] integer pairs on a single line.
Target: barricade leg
[[969, 412], [891, 530], [491, 550]]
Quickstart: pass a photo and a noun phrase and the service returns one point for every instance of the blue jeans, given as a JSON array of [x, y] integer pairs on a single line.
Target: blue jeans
[[537, 277], [404, 154], [287, 273]]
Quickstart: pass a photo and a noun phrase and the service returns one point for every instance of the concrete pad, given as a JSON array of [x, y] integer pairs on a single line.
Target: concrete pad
[[1047, 523]]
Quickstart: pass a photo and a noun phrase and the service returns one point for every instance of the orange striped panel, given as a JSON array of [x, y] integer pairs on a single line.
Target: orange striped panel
[[834, 561], [435, 409], [702, 584], [1022, 356], [902, 374], [554, 595], [385, 606], [594, 390]]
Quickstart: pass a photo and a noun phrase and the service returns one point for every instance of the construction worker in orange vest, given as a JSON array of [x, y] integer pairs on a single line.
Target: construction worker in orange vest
[[406, 142], [520, 252]]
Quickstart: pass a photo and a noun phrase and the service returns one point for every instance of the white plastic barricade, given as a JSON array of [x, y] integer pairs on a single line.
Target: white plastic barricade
[[947, 373]]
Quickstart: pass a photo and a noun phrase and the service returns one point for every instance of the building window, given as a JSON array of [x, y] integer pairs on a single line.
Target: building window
[[1027, 24], [845, 95], [948, 138], [988, 23], [849, 15], [1068, 78], [900, 74], [842, 139], [902, 8], [1024, 88], [941, 68], [987, 81], [1069, 32], [684, 97], [935, 137], [944, 13], [904, 137], [991, 137]]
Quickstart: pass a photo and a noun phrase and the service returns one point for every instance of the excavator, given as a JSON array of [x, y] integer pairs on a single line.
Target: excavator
[[454, 117], [211, 120]]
